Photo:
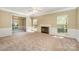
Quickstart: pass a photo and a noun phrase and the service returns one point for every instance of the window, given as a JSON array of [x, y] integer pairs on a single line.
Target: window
[[62, 24], [15, 25]]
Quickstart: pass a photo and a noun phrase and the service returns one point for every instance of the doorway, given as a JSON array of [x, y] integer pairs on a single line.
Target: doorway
[[18, 24]]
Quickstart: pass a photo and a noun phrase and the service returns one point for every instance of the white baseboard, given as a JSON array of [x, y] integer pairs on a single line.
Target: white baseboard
[[77, 35], [5, 32], [28, 29], [73, 33]]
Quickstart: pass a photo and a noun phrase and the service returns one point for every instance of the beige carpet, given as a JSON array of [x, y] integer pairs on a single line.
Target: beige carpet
[[37, 42]]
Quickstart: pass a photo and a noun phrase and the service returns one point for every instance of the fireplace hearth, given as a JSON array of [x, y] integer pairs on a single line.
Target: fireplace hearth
[[45, 30]]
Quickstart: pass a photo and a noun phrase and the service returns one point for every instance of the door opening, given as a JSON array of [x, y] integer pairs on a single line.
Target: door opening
[[18, 24]]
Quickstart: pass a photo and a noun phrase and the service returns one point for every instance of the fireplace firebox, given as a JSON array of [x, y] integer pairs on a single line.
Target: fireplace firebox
[[45, 30]]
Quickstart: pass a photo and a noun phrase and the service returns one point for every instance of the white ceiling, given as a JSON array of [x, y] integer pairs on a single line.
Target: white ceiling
[[29, 10]]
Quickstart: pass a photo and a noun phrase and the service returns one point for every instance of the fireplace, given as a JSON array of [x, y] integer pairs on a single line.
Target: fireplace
[[45, 30]]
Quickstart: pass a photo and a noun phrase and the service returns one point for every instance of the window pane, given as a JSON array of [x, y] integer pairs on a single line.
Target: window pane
[[62, 24], [61, 19]]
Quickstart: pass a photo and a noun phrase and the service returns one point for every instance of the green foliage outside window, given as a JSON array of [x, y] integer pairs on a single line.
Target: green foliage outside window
[[62, 24]]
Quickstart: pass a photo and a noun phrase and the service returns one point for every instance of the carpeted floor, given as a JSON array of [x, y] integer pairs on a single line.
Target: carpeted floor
[[37, 42]]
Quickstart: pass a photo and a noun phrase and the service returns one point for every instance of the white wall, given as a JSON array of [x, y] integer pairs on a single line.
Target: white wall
[[73, 33], [5, 32], [28, 24]]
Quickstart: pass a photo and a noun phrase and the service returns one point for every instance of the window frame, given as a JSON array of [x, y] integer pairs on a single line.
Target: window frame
[[59, 26]]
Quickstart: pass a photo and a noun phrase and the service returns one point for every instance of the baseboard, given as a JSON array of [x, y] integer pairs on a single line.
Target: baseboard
[[5, 32], [73, 33]]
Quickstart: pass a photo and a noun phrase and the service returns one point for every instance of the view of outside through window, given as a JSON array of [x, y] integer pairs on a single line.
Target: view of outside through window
[[15, 25], [62, 24]]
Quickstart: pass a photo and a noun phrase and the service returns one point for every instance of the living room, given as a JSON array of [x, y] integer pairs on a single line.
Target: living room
[[49, 22]]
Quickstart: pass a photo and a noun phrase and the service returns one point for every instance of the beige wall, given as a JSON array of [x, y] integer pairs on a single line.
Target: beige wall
[[77, 18], [51, 19], [71, 18], [5, 19]]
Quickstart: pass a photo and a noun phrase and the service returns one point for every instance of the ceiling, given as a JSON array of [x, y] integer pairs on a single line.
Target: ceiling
[[32, 11]]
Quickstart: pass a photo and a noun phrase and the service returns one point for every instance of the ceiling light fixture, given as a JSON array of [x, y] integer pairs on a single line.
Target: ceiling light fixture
[[36, 10]]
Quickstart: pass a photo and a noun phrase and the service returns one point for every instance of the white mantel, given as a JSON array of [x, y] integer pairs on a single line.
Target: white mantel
[[46, 26]]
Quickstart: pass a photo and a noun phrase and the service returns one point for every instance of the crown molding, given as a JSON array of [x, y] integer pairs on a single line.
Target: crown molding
[[40, 14], [61, 10], [13, 12]]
